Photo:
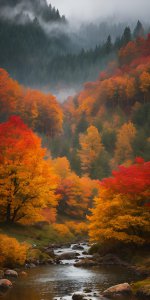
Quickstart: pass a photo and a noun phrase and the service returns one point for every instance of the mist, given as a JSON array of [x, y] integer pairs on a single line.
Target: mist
[[93, 10], [73, 49]]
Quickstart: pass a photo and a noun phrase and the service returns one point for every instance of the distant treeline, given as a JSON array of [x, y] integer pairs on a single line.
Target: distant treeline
[[51, 60]]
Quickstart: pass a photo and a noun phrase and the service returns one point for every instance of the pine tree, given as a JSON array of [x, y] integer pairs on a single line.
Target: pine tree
[[126, 37], [139, 30]]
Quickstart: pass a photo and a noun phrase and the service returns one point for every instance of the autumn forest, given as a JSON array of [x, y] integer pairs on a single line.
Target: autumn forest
[[77, 171]]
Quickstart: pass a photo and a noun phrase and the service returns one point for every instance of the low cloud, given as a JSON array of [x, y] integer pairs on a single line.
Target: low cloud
[[90, 10]]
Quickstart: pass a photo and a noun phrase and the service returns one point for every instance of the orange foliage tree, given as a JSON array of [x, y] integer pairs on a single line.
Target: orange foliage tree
[[40, 111], [27, 179], [75, 193]]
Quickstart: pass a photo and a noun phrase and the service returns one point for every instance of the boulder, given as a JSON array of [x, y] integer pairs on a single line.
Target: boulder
[[85, 263], [78, 296], [77, 247], [68, 255], [87, 290], [51, 261], [30, 265], [23, 274], [5, 284], [50, 252], [118, 290], [85, 253], [109, 259], [10, 273]]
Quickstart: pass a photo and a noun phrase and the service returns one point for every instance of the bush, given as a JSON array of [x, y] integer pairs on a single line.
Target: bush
[[12, 253]]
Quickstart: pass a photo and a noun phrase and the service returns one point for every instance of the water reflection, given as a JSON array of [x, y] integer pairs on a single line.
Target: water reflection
[[47, 283], [61, 281]]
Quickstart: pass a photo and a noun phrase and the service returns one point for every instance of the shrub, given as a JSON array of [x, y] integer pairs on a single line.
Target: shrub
[[12, 253]]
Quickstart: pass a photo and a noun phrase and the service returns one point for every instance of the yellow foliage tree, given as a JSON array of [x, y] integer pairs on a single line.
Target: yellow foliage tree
[[145, 84], [91, 147], [125, 137], [118, 217], [62, 167]]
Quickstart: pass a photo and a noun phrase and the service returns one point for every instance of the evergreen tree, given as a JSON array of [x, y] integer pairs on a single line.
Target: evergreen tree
[[108, 45], [139, 30], [126, 37]]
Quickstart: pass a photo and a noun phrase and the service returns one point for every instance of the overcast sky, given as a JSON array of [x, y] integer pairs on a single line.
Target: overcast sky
[[93, 9]]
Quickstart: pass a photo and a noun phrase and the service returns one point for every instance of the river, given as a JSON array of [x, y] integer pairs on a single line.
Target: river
[[57, 282]]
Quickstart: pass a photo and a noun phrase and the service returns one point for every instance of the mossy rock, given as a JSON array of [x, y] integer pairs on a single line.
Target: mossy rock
[[142, 289]]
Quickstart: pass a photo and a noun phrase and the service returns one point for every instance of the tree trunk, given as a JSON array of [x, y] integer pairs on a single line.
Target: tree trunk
[[8, 213]]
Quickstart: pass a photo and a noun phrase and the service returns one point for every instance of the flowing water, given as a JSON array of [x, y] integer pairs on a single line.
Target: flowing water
[[61, 281]]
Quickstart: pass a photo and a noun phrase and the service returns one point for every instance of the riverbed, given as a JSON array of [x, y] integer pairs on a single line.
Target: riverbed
[[61, 281]]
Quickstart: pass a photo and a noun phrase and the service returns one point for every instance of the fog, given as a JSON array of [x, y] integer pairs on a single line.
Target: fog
[[59, 63], [92, 10]]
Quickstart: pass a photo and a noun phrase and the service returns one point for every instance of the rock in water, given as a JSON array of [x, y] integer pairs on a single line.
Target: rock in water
[[11, 273], [5, 284], [78, 296], [120, 289], [77, 247], [85, 263], [68, 255]]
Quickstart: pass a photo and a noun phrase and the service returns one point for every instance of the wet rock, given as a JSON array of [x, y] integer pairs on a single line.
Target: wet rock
[[51, 261], [109, 259], [85, 253], [23, 274], [86, 263], [50, 252], [68, 255], [87, 290], [118, 290], [77, 247], [30, 265], [1, 274], [5, 284], [11, 273], [78, 296]]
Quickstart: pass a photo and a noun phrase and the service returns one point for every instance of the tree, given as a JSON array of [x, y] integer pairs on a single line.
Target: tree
[[108, 45], [76, 195], [139, 30], [126, 37], [10, 93], [125, 137], [27, 179], [62, 167], [91, 147], [121, 215], [145, 84], [40, 111]]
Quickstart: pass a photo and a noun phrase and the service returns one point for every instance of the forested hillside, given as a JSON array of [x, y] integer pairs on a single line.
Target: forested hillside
[[107, 123], [40, 48], [80, 169]]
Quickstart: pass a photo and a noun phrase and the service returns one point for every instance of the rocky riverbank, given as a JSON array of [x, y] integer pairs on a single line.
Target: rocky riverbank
[[78, 256]]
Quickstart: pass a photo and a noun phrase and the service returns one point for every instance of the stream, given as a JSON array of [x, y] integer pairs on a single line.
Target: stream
[[55, 282]]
